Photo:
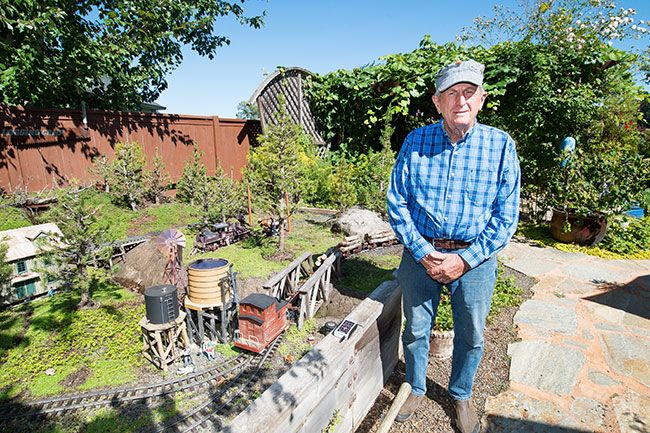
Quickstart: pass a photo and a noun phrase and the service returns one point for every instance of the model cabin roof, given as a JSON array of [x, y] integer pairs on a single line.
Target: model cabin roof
[[262, 301], [23, 243]]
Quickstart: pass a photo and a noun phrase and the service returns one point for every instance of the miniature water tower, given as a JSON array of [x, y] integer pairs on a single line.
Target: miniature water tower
[[211, 302]]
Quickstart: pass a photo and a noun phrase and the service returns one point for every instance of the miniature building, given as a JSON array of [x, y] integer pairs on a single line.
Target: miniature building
[[22, 254], [261, 319]]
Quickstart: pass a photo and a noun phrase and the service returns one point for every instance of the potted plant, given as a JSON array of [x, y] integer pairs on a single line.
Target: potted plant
[[587, 185], [441, 342]]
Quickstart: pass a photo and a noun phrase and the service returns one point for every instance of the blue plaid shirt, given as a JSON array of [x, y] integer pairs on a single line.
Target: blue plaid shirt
[[468, 191]]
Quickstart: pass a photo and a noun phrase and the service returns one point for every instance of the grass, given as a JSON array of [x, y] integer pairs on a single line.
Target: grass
[[364, 273], [52, 333], [295, 345], [542, 235], [250, 258], [11, 217]]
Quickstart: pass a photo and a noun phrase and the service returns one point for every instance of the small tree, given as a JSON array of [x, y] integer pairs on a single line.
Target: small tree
[[274, 171], [193, 180], [6, 270], [127, 174], [72, 253], [156, 180], [228, 196]]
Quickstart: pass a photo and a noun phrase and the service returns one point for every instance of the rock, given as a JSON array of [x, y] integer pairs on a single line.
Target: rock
[[601, 379], [359, 221], [631, 411], [627, 355], [546, 318], [545, 366]]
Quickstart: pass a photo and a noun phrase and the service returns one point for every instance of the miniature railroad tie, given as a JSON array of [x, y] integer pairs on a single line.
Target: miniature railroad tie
[[159, 340]]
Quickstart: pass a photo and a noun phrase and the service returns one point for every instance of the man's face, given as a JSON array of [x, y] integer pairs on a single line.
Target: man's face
[[460, 104]]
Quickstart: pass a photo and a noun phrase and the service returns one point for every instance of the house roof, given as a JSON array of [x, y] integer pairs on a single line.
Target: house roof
[[262, 301], [22, 241]]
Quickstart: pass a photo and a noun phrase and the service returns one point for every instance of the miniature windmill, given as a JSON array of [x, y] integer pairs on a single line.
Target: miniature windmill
[[170, 243]]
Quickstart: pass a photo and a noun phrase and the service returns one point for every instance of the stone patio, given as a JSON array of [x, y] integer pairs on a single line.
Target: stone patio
[[583, 360]]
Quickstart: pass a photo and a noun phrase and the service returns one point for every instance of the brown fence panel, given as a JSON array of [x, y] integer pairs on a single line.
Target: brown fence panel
[[42, 148]]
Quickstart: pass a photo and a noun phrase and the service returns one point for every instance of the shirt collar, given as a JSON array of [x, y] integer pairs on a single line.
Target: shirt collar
[[468, 134]]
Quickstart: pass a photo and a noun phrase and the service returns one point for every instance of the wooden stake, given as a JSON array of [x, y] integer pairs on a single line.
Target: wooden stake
[[286, 203], [250, 206], [400, 398]]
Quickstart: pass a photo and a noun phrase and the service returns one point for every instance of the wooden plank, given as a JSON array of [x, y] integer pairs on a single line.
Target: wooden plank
[[280, 275], [335, 375]]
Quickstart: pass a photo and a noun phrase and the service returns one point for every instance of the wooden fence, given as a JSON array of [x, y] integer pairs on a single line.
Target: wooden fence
[[44, 148]]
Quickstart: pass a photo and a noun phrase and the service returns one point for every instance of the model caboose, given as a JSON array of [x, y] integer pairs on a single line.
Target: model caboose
[[261, 319]]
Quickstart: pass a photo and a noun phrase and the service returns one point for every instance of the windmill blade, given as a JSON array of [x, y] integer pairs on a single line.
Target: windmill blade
[[169, 239]]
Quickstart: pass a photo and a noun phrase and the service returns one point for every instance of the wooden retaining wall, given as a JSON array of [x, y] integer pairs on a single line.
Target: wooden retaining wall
[[337, 382]]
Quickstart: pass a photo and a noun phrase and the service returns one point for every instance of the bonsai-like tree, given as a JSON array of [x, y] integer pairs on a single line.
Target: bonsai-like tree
[[127, 174], [274, 171], [156, 180], [193, 180], [72, 253]]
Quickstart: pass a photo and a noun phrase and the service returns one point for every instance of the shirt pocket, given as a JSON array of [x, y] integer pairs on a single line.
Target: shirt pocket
[[481, 187]]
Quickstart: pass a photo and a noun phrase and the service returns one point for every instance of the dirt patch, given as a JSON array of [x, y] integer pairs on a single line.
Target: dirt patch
[[136, 227], [435, 414], [76, 378]]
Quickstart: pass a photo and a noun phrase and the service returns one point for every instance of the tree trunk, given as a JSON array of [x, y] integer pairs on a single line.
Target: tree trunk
[[281, 236], [86, 300]]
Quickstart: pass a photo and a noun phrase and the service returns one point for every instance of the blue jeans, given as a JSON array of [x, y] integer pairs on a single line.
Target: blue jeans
[[471, 295]]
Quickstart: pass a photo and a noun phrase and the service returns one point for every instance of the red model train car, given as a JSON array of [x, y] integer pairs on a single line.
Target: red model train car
[[261, 319]]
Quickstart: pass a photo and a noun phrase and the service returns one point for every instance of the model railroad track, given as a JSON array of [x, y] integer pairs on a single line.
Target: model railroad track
[[223, 402], [115, 397]]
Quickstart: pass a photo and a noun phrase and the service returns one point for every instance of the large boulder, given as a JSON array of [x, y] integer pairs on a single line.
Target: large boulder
[[359, 221]]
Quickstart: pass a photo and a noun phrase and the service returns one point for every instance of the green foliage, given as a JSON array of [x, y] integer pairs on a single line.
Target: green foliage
[[295, 344], [274, 170], [76, 250], [627, 235], [114, 55], [342, 179], [156, 180], [365, 272], [11, 217], [246, 110], [541, 233], [225, 198], [506, 294], [557, 76], [6, 269], [194, 179], [58, 335], [127, 175]]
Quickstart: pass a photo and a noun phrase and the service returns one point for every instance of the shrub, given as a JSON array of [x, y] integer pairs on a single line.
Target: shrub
[[194, 178], [627, 235]]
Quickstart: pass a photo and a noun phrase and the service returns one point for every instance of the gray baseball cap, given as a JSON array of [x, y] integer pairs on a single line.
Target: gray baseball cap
[[469, 71]]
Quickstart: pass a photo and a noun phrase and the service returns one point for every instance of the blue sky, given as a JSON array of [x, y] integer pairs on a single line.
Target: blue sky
[[321, 36]]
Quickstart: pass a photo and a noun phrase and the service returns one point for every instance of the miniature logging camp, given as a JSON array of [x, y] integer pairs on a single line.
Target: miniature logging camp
[[198, 305]]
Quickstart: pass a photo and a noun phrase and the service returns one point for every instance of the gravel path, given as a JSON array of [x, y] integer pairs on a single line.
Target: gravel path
[[434, 416]]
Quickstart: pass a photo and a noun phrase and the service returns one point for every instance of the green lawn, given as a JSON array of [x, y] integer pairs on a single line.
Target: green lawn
[[50, 333]]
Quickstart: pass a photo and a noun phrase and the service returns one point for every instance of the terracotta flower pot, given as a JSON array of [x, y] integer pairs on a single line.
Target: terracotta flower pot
[[441, 344], [582, 230]]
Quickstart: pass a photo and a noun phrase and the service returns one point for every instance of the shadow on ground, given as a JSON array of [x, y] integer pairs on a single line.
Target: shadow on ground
[[633, 297]]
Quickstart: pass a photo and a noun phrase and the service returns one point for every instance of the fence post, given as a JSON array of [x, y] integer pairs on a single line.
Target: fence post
[[215, 146]]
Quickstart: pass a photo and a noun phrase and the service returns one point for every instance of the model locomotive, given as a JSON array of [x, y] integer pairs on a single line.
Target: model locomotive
[[220, 235]]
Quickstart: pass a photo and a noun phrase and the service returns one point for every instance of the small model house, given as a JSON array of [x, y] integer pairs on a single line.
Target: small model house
[[261, 319], [23, 255]]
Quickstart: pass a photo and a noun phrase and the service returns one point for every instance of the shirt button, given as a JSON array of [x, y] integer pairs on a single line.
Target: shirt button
[[452, 174], [446, 218]]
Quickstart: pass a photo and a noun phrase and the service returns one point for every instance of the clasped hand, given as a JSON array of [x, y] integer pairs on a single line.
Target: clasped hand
[[444, 268]]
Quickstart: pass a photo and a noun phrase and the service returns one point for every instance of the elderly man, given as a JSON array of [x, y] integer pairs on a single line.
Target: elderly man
[[453, 201]]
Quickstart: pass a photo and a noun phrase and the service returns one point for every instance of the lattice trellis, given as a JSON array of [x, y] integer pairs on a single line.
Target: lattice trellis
[[288, 82]]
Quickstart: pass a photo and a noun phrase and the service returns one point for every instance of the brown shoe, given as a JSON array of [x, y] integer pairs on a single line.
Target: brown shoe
[[409, 407], [466, 418]]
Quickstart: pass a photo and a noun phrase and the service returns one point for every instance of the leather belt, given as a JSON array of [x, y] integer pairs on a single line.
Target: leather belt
[[449, 244]]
